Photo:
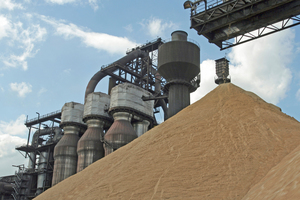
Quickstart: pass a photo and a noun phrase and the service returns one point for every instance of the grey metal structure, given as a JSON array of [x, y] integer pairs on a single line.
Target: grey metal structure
[[138, 67], [90, 146], [120, 133], [245, 20], [126, 105], [37, 177], [222, 71], [65, 152], [179, 64]]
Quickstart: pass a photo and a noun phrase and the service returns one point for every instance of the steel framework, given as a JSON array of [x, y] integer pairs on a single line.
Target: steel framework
[[220, 21]]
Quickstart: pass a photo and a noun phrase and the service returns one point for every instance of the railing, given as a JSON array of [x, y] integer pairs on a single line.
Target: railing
[[189, 40], [143, 45], [210, 4], [43, 116]]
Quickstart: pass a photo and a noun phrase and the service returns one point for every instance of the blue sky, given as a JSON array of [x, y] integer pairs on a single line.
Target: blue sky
[[49, 50]]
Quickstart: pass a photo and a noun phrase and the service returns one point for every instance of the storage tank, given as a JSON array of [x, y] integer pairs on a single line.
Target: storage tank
[[90, 146], [179, 64], [126, 102], [65, 152]]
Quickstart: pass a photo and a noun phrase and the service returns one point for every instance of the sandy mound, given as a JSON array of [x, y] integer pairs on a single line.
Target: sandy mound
[[217, 148], [282, 181]]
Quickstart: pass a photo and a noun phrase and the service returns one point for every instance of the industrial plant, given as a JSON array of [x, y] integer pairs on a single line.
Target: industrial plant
[[155, 77]]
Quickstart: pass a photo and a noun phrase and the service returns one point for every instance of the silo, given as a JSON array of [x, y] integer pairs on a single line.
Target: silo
[[126, 105], [179, 64], [90, 146], [65, 152]]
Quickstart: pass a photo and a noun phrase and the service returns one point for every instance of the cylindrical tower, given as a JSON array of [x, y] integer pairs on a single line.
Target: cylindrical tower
[[90, 146], [126, 103], [140, 126], [42, 167], [179, 64], [65, 152]]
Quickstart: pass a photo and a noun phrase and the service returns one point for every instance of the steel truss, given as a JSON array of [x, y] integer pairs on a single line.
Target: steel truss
[[245, 20], [261, 32]]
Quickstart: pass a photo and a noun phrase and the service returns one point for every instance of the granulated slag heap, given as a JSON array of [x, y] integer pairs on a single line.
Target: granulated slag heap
[[282, 182], [217, 148]]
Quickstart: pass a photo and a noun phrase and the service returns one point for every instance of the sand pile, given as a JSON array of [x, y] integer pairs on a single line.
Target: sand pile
[[282, 181], [217, 148]]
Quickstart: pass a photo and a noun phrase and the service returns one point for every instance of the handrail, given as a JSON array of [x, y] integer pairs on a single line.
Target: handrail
[[43, 116], [188, 39]]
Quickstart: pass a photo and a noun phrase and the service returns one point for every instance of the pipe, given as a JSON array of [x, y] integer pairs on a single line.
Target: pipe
[[100, 74]]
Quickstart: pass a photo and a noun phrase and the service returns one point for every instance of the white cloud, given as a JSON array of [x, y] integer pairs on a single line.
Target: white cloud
[[5, 27], [129, 28], [16, 127], [60, 2], [207, 80], [8, 155], [260, 66], [67, 71], [93, 4], [10, 5], [101, 41], [156, 27], [24, 39], [22, 88], [10, 133], [298, 95], [42, 90]]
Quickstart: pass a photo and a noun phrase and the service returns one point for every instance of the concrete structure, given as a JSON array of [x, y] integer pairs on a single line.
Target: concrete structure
[[90, 146], [65, 152], [179, 64]]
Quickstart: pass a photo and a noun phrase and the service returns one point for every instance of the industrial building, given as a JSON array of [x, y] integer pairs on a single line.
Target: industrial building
[[140, 84], [159, 75]]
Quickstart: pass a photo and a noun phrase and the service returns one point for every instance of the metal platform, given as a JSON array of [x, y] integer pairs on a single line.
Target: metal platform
[[219, 21], [53, 116]]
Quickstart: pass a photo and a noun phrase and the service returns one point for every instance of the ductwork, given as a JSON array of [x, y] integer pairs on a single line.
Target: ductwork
[[100, 74]]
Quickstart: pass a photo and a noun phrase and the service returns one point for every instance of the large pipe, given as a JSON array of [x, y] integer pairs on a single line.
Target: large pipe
[[100, 74], [42, 167], [35, 142]]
